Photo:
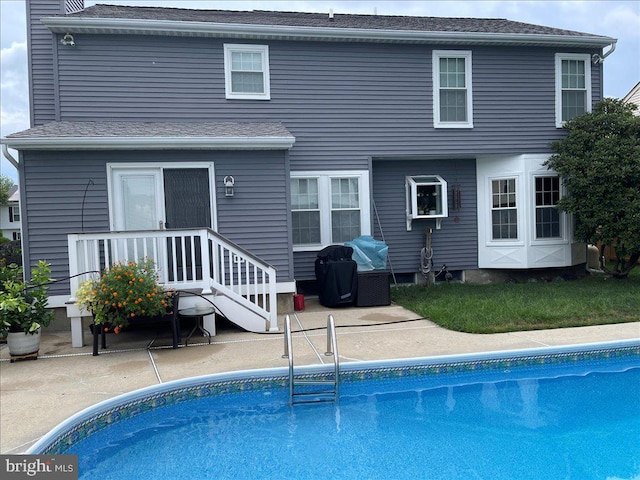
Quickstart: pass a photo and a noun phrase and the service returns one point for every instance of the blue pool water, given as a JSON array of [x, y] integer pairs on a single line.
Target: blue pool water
[[575, 421]]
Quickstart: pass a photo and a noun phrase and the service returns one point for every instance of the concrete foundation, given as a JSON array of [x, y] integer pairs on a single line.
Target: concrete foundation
[[485, 276]]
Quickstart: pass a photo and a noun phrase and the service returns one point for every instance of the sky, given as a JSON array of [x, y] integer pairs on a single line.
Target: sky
[[617, 19]]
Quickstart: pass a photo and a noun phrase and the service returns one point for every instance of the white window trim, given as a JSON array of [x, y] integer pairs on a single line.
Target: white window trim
[[466, 54], [587, 81], [324, 201], [519, 211], [565, 226], [264, 51]]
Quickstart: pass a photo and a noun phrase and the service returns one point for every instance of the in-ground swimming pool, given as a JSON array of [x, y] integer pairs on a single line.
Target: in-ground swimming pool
[[543, 414]]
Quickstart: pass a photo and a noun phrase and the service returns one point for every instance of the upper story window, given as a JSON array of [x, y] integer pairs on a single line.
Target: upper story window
[[547, 215], [504, 209], [14, 214], [329, 208], [246, 72], [452, 94], [573, 86]]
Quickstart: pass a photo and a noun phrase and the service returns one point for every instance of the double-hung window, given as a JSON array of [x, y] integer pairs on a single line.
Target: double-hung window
[[573, 86], [305, 211], [547, 215], [504, 209], [246, 72], [14, 214], [452, 93], [329, 208]]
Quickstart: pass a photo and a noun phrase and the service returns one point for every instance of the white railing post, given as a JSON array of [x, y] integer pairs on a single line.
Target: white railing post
[[72, 242], [273, 300], [207, 274]]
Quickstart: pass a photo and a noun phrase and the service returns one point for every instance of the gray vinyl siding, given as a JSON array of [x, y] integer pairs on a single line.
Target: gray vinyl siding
[[256, 218], [344, 102], [455, 244], [42, 93], [54, 187]]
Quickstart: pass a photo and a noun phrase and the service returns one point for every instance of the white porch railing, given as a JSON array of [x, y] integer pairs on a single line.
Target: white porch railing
[[187, 258]]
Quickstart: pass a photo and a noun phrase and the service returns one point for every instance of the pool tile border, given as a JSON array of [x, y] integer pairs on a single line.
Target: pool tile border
[[61, 443]]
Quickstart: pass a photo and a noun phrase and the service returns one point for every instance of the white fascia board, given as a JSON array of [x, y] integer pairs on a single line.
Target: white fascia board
[[287, 32], [149, 143]]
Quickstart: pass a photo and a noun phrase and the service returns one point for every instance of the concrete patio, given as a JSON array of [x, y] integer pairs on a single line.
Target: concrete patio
[[37, 395]]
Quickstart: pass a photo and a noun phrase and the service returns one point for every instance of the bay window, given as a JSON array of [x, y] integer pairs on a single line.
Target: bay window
[[504, 210], [547, 192]]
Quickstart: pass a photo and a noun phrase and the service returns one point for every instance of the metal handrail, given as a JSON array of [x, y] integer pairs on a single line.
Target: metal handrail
[[288, 353], [332, 348]]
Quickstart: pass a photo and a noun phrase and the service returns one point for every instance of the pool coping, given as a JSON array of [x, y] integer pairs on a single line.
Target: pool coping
[[101, 415]]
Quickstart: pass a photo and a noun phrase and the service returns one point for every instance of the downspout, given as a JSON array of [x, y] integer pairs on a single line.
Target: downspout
[[596, 58], [9, 157]]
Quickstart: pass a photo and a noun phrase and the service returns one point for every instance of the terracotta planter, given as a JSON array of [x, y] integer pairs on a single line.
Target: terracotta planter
[[21, 343]]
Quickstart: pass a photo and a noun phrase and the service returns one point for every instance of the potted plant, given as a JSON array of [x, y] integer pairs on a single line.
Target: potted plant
[[23, 307], [123, 293]]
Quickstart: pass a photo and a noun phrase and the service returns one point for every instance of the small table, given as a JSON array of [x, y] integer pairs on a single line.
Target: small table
[[198, 313]]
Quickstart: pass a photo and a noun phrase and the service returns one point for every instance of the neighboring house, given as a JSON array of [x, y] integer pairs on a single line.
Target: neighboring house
[[282, 133], [634, 97], [10, 215]]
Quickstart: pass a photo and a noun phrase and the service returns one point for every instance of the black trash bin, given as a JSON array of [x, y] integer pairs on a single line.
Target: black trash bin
[[336, 276]]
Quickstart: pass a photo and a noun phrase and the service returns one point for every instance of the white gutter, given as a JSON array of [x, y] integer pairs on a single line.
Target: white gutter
[[9, 157], [148, 143], [288, 32]]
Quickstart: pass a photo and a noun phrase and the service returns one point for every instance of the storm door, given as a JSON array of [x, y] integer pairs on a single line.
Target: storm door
[[187, 201]]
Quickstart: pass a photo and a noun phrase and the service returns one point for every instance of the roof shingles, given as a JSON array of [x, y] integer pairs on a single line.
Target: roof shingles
[[155, 129], [320, 20]]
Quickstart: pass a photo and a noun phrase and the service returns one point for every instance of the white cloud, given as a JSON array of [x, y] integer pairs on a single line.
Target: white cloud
[[624, 20], [14, 95], [14, 87]]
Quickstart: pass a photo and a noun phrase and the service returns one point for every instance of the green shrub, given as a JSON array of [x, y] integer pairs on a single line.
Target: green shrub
[[23, 304]]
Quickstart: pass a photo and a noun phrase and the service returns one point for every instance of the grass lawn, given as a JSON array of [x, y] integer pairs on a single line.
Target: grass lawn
[[508, 307]]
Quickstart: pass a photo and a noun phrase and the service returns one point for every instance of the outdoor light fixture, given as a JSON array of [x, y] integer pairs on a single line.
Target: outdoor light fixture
[[228, 186], [68, 40]]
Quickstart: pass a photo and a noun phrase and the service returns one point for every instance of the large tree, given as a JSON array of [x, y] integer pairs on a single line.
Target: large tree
[[599, 162]]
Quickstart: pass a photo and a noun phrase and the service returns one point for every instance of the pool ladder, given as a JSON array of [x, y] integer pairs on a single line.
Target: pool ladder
[[327, 384]]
